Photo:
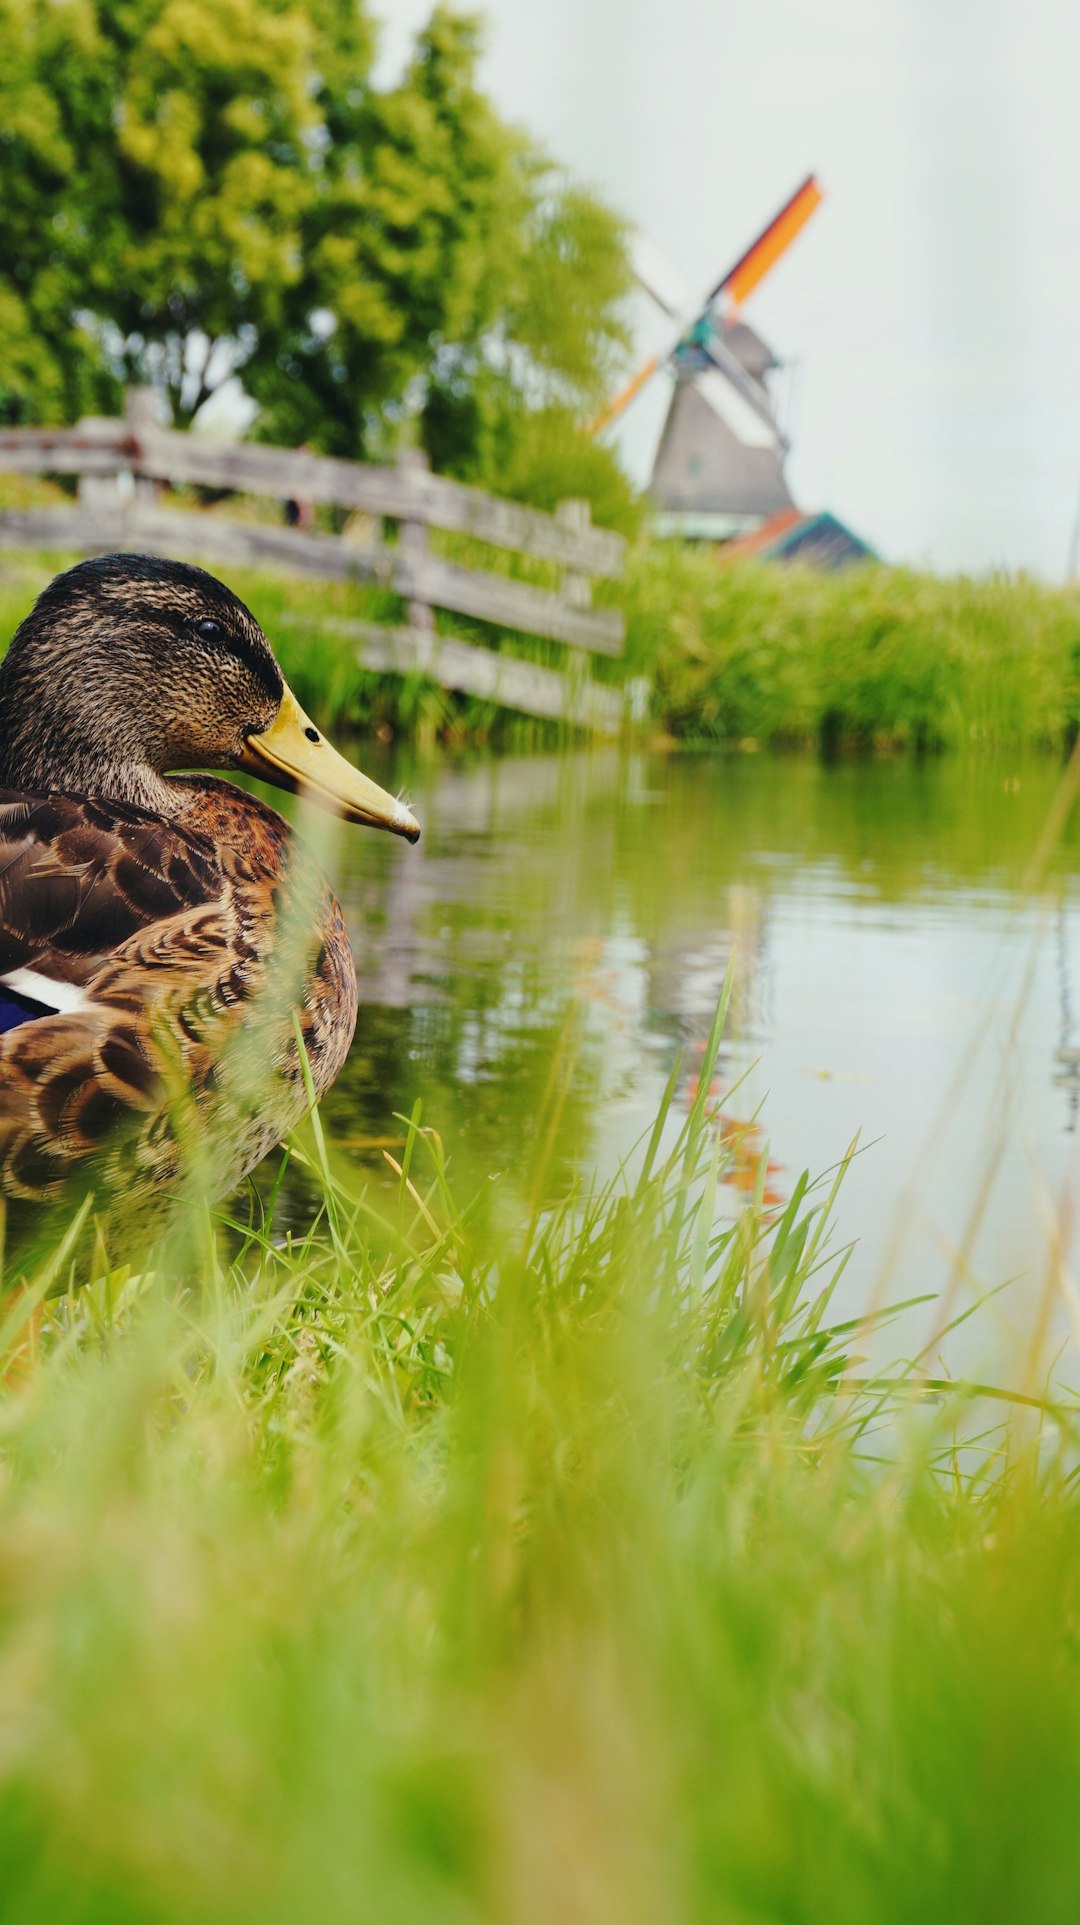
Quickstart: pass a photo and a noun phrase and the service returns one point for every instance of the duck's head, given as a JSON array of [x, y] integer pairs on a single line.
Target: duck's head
[[128, 668]]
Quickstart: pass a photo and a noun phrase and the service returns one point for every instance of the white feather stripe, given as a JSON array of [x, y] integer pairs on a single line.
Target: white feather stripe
[[62, 998]]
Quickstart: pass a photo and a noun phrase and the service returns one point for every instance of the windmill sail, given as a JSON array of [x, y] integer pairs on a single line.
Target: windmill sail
[[695, 324], [719, 467], [774, 240]]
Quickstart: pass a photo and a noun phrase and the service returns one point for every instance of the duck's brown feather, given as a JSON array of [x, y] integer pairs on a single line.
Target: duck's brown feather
[[79, 877], [192, 974]]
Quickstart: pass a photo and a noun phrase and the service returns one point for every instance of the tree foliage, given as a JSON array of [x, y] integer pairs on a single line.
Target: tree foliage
[[197, 189]]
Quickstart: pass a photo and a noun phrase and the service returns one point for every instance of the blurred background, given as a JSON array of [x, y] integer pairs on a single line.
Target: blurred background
[[934, 311], [930, 319]]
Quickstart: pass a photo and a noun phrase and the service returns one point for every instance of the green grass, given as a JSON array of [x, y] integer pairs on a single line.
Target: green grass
[[870, 657], [470, 1559], [483, 1561], [874, 657]]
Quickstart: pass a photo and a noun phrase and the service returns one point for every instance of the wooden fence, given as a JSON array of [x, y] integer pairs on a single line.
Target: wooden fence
[[121, 465]]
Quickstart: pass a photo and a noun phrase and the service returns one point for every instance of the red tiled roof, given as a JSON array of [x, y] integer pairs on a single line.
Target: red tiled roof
[[761, 538]]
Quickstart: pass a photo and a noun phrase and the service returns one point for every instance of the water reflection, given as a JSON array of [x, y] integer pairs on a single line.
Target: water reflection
[[880, 939]]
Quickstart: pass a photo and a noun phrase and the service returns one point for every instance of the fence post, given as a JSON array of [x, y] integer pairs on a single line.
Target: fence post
[[104, 496], [413, 463], [576, 589], [637, 700], [141, 418]]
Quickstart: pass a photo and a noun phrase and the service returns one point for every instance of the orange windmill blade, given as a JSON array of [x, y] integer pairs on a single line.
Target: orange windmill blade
[[774, 240], [694, 327]]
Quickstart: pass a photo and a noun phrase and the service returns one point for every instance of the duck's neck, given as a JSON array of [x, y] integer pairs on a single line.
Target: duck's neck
[[35, 765], [202, 804]]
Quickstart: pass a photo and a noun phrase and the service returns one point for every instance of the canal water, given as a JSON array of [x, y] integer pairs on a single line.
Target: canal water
[[900, 980]]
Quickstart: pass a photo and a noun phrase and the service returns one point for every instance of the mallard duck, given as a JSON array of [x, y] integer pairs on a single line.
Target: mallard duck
[[170, 973]]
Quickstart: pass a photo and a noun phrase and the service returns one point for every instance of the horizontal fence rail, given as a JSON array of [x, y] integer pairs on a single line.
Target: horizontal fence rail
[[502, 679], [122, 464], [143, 529], [404, 493]]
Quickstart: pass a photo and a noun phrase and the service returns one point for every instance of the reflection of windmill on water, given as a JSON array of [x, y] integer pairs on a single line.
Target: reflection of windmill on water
[[718, 473]]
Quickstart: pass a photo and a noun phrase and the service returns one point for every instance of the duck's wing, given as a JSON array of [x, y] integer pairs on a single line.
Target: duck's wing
[[100, 905], [78, 878]]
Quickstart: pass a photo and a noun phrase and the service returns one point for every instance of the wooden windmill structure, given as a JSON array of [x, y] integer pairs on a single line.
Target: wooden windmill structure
[[719, 466]]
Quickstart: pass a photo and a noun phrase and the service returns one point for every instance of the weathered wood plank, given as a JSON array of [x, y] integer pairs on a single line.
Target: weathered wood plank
[[149, 530], [157, 530], [145, 528], [501, 679], [95, 447], [509, 604], [107, 447], [576, 588], [404, 494], [527, 531], [415, 543], [76, 531]]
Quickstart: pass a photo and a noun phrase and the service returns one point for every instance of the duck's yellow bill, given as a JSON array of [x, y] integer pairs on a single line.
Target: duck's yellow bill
[[293, 754]]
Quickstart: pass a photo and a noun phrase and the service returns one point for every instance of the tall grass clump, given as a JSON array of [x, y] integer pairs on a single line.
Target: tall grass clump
[[504, 1561], [868, 656]]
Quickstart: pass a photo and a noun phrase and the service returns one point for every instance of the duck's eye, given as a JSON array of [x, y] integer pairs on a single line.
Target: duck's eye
[[210, 630]]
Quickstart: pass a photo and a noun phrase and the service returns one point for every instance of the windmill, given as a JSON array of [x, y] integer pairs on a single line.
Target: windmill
[[719, 466]]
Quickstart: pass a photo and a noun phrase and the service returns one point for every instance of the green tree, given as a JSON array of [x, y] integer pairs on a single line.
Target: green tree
[[449, 273], [50, 365], [193, 189]]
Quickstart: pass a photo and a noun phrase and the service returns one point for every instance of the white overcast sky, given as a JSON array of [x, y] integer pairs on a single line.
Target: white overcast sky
[[932, 306]]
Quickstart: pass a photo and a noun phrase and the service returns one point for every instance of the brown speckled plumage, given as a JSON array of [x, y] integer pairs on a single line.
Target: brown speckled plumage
[[173, 907]]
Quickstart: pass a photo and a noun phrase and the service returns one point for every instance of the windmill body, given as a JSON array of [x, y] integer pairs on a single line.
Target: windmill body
[[719, 466], [718, 472]]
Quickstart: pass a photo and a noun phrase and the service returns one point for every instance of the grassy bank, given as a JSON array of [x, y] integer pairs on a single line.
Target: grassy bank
[[871, 658], [483, 1563]]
